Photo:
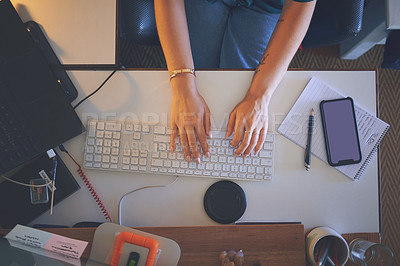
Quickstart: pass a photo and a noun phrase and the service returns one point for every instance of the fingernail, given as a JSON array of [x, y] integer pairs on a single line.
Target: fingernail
[[197, 160], [188, 158], [171, 149], [208, 154], [210, 135]]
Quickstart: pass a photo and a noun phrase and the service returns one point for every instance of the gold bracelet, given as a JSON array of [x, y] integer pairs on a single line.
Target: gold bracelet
[[180, 71]]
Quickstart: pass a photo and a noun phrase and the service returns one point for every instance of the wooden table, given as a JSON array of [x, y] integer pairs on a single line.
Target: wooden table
[[271, 244]]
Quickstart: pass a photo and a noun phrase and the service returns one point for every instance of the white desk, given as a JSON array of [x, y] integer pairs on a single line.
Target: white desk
[[322, 196], [80, 32]]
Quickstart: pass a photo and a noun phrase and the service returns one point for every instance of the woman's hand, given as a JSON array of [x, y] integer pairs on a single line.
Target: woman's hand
[[190, 117], [249, 120]]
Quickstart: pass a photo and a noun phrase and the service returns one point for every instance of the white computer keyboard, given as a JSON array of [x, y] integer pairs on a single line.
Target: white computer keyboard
[[133, 147]]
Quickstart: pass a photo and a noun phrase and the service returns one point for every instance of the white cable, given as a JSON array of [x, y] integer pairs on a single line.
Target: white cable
[[26, 185], [135, 190]]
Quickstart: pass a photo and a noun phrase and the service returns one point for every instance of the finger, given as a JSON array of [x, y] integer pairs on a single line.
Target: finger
[[260, 141], [185, 144], [239, 134], [207, 123], [245, 143], [193, 143], [231, 124], [174, 135], [253, 142], [201, 135]]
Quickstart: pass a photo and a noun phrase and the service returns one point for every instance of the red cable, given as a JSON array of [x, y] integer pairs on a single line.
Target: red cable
[[91, 189]]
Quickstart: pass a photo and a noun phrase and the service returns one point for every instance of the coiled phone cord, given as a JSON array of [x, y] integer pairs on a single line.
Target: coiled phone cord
[[88, 185]]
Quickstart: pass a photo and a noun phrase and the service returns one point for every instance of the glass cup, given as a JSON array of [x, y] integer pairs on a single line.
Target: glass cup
[[368, 253]]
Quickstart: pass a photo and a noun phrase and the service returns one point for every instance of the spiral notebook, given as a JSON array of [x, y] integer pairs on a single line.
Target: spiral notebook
[[371, 129]]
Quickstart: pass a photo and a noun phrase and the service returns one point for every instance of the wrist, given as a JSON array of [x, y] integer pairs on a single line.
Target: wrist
[[183, 84], [261, 94]]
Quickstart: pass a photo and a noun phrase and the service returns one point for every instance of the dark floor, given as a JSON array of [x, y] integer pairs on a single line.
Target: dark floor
[[389, 105]]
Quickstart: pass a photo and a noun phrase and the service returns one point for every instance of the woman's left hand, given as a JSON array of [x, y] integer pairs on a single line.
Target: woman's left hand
[[249, 120]]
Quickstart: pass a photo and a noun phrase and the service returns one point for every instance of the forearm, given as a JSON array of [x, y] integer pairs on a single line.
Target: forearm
[[285, 41], [173, 33]]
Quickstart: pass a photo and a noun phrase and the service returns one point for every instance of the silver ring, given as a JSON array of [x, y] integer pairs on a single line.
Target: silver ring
[[256, 133], [246, 131]]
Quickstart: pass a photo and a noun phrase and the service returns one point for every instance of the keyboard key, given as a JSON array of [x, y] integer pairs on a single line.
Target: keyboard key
[[239, 160], [269, 138], [108, 134], [268, 146], [168, 163], [265, 154], [125, 160], [107, 142], [161, 138], [266, 162], [222, 159], [114, 151], [116, 135], [100, 125], [99, 134], [145, 128], [159, 130], [114, 159], [135, 161], [90, 149], [90, 141], [92, 129], [157, 162], [115, 143], [189, 172], [129, 127], [106, 159]]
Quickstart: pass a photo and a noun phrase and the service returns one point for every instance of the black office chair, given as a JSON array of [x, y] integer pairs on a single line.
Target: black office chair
[[333, 21], [136, 22]]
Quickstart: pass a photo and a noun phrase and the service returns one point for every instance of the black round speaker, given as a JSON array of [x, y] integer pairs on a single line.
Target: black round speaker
[[225, 202]]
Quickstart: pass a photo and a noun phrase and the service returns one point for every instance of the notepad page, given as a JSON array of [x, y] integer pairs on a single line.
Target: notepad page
[[295, 126]]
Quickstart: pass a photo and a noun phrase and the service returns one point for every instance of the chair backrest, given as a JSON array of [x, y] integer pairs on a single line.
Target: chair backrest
[[334, 21], [136, 22]]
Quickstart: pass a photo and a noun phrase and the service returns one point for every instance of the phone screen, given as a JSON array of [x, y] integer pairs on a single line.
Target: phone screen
[[340, 130]]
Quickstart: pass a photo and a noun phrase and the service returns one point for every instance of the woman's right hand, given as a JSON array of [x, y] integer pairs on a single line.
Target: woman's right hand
[[190, 117]]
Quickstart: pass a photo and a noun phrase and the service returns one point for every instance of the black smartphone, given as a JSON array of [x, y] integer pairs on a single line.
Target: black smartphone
[[340, 131]]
